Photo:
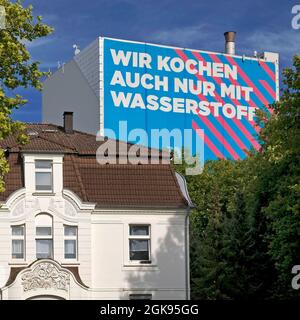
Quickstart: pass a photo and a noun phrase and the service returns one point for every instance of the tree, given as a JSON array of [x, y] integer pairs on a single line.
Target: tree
[[245, 231], [16, 68], [248, 268], [281, 159], [212, 192], [237, 245], [229, 258]]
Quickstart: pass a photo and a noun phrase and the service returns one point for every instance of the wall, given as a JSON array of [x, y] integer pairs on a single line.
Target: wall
[[161, 87], [112, 272], [103, 251], [225, 113], [68, 90], [22, 209]]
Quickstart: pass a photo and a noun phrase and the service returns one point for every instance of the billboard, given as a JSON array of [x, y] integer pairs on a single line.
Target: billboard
[[156, 87]]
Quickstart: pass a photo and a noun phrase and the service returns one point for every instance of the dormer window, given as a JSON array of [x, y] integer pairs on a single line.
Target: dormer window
[[43, 175]]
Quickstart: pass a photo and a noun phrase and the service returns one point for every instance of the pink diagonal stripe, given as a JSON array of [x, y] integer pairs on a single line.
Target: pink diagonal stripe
[[242, 128], [250, 83], [236, 121], [223, 123], [268, 88], [219, 137], [251, 104], [237, 140], [268, 70], [235, 102], [208, 142], [209, 124]]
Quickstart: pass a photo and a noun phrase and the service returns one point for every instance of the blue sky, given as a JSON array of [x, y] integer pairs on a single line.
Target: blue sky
[[198, 24]]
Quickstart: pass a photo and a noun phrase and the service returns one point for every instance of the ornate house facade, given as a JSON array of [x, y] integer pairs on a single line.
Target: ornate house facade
[[71, 228]]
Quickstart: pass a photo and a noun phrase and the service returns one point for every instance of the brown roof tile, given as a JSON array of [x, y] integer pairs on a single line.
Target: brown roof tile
[[109, 186], [57, 141], [131, 185], [14, 180]]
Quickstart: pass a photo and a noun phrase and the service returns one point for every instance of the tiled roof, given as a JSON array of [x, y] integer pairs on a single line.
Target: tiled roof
[[49, 137], [14, 180], [109, 185]]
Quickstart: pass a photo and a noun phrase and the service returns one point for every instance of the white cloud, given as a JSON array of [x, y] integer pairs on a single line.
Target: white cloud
[[184, 36], [286, 43], [203, 37], [49, 18], [38, 42]]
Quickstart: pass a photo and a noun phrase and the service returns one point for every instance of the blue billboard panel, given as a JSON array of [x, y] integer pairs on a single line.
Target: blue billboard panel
[[156, 87]]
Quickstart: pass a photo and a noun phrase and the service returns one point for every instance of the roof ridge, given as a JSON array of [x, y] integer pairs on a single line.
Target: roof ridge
[[40, 124], [95, 135], [91, 135]]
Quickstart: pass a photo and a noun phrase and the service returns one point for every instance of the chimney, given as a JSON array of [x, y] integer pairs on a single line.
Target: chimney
[[230, 42], [68, 122]]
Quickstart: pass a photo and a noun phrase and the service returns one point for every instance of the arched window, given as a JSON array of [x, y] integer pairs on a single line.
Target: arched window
[[44, 236]]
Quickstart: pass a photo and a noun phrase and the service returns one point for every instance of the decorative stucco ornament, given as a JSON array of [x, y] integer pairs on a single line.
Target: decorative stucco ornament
[[45, 275]]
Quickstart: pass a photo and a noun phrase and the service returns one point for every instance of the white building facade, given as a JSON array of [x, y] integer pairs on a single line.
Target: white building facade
[[58, 244]]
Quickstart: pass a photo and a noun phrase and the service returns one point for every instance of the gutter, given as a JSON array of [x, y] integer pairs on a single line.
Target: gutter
[[184, 190], [187, 254]]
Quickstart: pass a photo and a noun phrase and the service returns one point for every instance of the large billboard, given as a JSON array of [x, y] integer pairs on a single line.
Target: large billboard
[[156, 87]]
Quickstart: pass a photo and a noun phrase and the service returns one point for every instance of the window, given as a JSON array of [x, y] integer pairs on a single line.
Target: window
[[18, 242], [140, 296], [43, 175], [44, 236], [70, 233], [139, 243]]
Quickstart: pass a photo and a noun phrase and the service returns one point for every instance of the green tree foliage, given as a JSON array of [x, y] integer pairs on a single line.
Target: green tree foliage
[[245, 231], [17, 70], [281, 157], [229, 255]]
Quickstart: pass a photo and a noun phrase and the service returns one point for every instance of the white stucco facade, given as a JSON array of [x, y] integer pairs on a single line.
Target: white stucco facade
[[102, 268]]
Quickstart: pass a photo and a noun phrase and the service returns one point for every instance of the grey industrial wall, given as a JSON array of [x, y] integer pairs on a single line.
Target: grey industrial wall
[[68, 90]]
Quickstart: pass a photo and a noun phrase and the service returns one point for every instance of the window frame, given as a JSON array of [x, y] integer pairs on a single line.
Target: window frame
[[18, 237], [72, 237], [43, 170], [139, 237], [44, 237]]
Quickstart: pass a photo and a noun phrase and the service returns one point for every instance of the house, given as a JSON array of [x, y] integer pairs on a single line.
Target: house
[[71, 228]]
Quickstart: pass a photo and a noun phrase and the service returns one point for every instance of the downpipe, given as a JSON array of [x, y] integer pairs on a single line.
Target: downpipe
[[187, 255]]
